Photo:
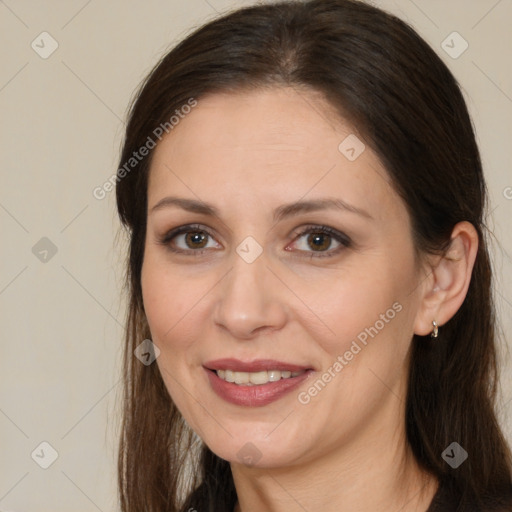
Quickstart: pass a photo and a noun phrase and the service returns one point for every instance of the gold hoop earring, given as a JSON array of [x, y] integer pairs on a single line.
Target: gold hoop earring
[[435, 332]]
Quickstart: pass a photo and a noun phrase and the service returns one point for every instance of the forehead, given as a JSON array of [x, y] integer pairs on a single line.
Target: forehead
[[283, 121], [266, 142]]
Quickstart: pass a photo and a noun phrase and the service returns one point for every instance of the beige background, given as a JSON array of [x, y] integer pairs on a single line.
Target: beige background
[[62, 125]]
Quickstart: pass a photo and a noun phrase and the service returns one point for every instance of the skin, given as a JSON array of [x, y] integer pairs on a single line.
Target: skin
[[247, 154]]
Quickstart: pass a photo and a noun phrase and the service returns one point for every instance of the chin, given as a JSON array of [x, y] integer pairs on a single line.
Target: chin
[[258, 450]]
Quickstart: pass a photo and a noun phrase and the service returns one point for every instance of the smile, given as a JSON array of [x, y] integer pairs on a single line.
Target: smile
[[256, 378]]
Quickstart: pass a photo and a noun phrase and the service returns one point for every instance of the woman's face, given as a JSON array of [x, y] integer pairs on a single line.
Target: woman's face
[[260, 281]]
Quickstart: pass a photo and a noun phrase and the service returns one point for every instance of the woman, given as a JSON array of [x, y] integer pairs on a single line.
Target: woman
[[304, 198]]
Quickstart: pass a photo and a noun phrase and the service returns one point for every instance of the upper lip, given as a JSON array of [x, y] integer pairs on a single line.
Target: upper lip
[[256, 365]]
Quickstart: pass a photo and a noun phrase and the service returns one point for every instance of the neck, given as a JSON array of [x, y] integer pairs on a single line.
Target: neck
[[376, 472]]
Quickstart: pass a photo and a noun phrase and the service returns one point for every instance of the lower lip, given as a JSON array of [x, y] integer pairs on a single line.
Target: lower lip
[[257, 395]]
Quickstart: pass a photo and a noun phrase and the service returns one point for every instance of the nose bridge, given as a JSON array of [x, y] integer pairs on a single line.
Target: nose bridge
[[246, 302]]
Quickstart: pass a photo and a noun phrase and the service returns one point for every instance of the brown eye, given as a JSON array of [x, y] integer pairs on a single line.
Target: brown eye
[[196, 239], [319, 241], [192, 240]]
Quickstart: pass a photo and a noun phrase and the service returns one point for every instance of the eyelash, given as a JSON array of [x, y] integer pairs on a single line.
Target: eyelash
[[343, 239]]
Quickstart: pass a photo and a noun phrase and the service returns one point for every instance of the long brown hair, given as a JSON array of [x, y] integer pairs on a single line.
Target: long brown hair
[[384, 79]]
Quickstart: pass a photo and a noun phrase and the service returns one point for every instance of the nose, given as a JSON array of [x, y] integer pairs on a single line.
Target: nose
[[250, 299]]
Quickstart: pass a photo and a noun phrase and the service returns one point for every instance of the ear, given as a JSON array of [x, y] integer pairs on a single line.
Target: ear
[[446, 288]]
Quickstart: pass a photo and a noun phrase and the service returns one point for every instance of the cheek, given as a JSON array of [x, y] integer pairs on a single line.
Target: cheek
[[173, 310], [360, 303], [370, 312], [371, 318], [168, 302]]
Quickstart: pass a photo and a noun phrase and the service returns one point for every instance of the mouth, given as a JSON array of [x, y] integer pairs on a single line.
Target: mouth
[[254, 383]]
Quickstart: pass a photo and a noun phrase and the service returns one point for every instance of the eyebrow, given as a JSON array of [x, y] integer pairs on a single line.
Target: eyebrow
[[280, 213]]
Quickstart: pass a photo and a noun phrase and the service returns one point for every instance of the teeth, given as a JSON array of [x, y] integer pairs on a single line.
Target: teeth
[[255, 378]]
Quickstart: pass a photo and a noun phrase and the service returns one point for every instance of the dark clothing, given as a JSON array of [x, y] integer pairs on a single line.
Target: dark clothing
[[445, 500]]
